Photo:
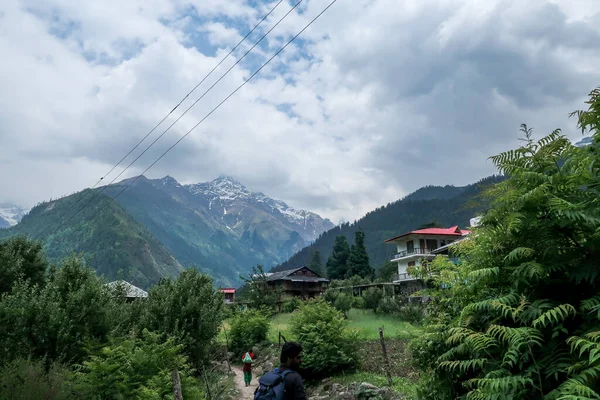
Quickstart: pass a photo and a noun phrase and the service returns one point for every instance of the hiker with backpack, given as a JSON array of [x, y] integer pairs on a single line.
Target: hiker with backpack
[[283, 383], [247, 360]]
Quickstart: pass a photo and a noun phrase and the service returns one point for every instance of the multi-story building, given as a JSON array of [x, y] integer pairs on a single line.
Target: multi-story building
[[423, 244]]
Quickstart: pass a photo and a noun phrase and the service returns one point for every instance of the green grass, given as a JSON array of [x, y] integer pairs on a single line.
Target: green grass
[[280, 322], [400, 385], [366, 322]]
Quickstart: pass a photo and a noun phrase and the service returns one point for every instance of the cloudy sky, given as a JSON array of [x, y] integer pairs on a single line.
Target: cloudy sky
[[378, 98]]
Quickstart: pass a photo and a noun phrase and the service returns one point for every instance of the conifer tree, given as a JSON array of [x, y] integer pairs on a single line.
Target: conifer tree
[[316, 264], [337, 264], [358, 260]]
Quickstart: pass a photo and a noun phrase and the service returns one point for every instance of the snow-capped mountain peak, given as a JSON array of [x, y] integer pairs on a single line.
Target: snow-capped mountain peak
[[586, 141], [11, 214]]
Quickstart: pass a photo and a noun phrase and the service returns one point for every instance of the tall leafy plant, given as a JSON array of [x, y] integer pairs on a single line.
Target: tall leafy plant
[[520, 316]]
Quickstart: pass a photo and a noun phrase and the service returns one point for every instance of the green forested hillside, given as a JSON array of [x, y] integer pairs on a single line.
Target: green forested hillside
[[193, 237], [446, 206], [112, 243]]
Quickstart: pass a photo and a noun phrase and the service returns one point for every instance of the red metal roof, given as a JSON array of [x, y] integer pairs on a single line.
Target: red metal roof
[[452, 231], [227, 290]]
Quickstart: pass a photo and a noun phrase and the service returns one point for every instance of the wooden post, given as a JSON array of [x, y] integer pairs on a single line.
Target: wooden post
[[385, 357], [176, 385]]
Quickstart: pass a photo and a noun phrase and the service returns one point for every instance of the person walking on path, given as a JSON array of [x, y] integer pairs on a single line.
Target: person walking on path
[[283, 383], [290, 360], [247, 360]]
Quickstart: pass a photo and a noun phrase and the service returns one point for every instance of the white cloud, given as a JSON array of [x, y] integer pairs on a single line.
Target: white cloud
[[378, 99]]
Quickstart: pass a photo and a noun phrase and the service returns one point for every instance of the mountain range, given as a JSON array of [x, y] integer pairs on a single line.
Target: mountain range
[[158, 226], [11, 214], [430, 205]]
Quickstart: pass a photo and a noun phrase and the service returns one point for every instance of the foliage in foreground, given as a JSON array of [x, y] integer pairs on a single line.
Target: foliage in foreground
[[519, 317], [136, 367], [329, 346]]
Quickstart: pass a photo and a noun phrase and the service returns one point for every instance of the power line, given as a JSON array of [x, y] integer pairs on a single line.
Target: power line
[[215, 108], [181, 116], [169, 114]]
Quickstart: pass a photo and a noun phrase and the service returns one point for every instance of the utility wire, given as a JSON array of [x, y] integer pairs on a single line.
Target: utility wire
[[215, 108], [167, 116], [181, 116]]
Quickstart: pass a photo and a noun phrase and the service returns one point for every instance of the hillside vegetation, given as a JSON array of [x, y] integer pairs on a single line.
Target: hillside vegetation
[[446, 206], [112, 243]]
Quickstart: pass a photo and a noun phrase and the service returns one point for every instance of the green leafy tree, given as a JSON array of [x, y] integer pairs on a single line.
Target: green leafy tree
[[57, 321], [188, 308], [358, 259], [21, 259], [343, 303], [527, 323], [388, 271], [337, 263], [256, 290], [328, 346], [372, 296], [248, 329], [316, 264]]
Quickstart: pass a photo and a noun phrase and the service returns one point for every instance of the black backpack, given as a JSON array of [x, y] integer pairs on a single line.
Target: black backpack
[[272, 385]]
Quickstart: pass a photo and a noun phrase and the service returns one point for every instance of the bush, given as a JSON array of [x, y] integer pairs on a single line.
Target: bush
[[343, 303], [23, 379], [248, 329], [134, 368], [389, 305], [330, 295], [413, 313], [372, 298], [358, 302], [328, 346], [291, 304]]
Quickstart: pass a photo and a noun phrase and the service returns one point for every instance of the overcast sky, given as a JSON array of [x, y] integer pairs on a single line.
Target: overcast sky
[[379, 98]]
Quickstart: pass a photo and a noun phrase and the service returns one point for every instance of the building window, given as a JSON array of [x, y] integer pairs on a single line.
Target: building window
[[442, 243], [411, 264], [410, 246]]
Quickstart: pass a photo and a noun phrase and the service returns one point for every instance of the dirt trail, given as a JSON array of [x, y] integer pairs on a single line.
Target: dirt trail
[[246, 392]]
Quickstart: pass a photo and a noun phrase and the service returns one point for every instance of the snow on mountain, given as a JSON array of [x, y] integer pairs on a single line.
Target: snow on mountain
[[11, 214], [586, 141], [225, 193]]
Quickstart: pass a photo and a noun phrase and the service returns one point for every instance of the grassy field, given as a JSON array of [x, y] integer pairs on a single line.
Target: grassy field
[[365, 322]]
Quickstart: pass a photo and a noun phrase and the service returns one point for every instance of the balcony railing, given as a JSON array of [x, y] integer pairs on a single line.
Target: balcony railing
[[404, 277], [405, 253]]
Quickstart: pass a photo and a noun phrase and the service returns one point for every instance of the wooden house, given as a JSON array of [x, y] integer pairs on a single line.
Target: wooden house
[[299, 282]]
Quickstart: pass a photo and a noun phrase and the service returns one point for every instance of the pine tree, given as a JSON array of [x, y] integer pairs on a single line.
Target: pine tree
[[337, 263], [358, 260], [316, 264]]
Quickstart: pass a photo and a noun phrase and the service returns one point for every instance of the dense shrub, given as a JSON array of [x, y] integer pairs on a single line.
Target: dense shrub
[[291, 304], [389, 305], [343, 303], [248, 329], [136, 367], [372, 296], [329, 347], [358, 302]]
